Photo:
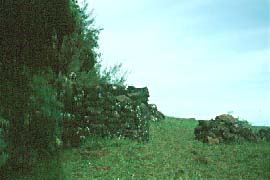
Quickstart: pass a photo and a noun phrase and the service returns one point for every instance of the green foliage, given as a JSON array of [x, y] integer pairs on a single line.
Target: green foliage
[[44, 112], [3, 144], [3, 123], [78, 56], [112, 75], [36, 22], [79, 50], [3, 157], [26, 51]]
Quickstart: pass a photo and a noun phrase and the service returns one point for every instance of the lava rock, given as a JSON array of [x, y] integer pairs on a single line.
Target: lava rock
[[110, 110], [225, 128]]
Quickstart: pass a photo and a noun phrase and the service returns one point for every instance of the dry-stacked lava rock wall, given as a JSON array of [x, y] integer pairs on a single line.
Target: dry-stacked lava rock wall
[[112, 111]]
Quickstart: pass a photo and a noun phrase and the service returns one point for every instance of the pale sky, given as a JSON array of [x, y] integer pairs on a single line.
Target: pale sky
[[199, 58]]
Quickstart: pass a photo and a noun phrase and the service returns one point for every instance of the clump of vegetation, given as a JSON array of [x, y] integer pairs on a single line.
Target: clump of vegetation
[[264, 133], [3, 141], [225, 128], [112, 75]]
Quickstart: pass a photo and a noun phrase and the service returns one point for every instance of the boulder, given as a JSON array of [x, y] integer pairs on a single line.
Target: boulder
[[122, 98]]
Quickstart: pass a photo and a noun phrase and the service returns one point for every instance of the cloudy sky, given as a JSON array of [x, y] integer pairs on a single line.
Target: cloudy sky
[[199, 58]]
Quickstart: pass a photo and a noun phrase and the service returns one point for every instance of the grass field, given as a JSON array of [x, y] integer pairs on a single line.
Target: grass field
[[172, 153]]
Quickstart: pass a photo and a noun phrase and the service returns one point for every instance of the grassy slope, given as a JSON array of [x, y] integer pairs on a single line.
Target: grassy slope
[[172, 153]]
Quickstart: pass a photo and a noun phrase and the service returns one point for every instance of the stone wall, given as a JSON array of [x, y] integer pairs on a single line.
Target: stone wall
[[112, 111]]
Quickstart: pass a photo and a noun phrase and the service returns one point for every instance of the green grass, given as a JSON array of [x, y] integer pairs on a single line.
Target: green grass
[[172, 153]]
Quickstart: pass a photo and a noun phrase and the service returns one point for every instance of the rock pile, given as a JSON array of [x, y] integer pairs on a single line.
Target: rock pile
[[112, 111], [225, 128]]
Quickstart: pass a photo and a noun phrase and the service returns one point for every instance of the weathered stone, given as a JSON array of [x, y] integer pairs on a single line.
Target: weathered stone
[[122, 98], [112, 110], [225, 128], [227, 118], [264, 133], [211, 140], [116, 114]]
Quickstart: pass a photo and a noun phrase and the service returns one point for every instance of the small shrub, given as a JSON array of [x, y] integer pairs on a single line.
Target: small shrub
[[44, 113], [112, 75]]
